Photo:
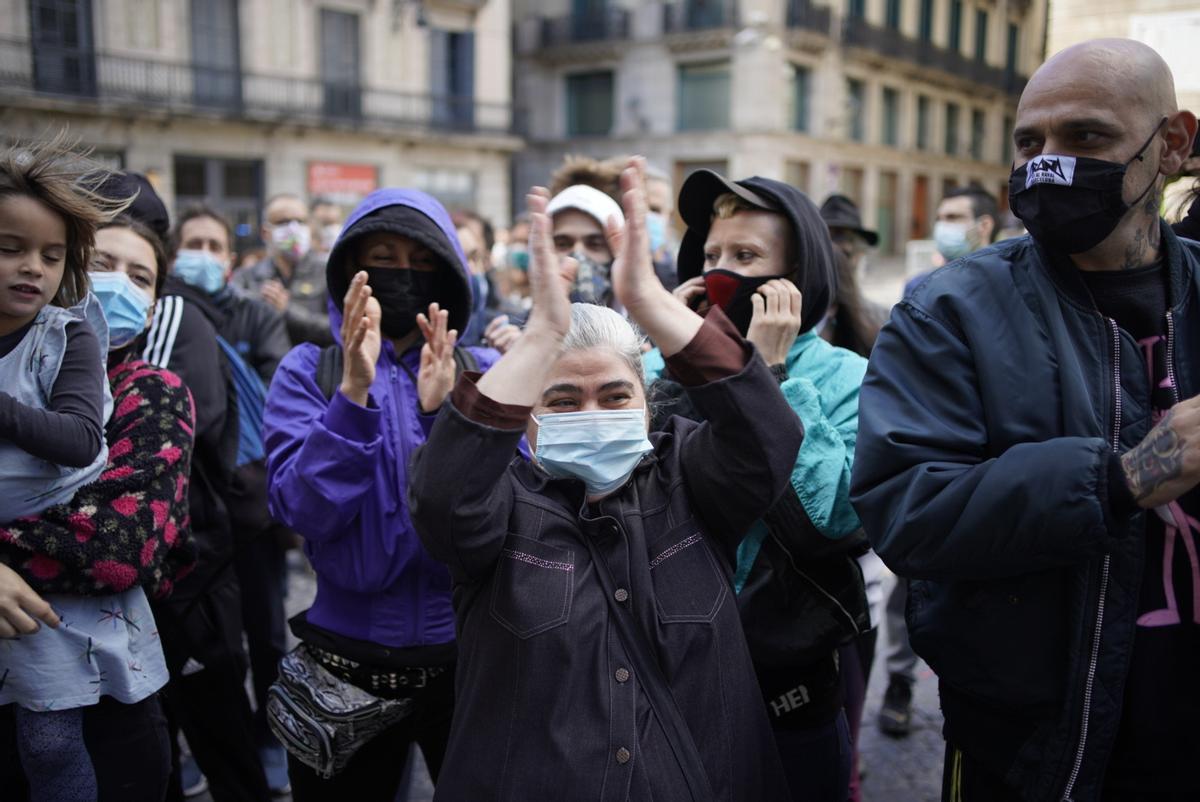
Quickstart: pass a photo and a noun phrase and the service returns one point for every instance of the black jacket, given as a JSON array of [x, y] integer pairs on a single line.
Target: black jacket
[[182, 339], [988, 426], [548, 708]]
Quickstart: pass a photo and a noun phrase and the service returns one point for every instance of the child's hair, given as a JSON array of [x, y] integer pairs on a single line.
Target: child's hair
[[65, 180]]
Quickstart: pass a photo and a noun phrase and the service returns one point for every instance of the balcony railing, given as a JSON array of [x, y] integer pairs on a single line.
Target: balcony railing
[[699, 15], [610, 24], [180, 87], [804, 15], [891, 43]]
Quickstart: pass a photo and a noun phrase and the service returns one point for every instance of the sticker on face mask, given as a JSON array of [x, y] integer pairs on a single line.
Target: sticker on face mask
[[1058, 170]]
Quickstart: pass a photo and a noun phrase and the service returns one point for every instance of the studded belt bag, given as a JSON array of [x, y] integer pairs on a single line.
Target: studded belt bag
[[322, 719]]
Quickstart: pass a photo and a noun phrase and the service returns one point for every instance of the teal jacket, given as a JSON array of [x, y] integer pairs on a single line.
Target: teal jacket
[[822, 387]]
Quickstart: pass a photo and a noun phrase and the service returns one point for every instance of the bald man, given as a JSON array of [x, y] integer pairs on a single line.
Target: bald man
[[1029, 453]]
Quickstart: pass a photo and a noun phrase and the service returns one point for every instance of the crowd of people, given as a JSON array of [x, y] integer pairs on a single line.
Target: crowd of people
[[600, 512]]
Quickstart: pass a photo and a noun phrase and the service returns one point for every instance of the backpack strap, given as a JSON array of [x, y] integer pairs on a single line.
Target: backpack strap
[[329, 370]]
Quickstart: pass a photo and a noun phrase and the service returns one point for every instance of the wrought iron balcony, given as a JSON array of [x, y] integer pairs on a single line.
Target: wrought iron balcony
[[123, 83], [699, 15], [891, 43], [607, 25], [804, 15]]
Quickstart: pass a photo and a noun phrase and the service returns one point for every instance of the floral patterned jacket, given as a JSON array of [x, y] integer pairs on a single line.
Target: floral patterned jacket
[[130, 527]]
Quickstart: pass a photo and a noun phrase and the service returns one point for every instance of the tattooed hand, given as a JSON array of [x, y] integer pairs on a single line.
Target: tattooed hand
[[1166, 464]]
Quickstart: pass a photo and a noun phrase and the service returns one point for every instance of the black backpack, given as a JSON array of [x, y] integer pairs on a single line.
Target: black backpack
[[329, 367]]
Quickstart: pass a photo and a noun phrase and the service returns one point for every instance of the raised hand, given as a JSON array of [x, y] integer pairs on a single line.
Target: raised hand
[[548, 285], [500, 334], [775, 321], [1166, 464], [690, 292], [435, 378], [275, 294], [361, 340], [664, 317]]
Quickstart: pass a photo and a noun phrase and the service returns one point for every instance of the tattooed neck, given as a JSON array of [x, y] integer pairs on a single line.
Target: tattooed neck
[[1144, 249]]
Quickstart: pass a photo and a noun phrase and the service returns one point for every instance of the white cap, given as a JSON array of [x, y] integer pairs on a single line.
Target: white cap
[[588, 200]]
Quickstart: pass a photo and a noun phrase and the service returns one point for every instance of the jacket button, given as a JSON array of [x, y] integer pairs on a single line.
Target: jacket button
[[612, 530], [622, 675], [623, 756], [621, 595]]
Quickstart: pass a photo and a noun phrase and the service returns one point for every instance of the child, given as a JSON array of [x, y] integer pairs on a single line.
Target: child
[[54, 400]]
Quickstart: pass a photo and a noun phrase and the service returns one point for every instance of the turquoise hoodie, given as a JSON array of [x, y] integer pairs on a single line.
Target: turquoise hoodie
[[822, 387]]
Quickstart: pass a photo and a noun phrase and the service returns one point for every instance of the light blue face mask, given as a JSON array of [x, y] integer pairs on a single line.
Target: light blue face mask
[[601, 448], [124, 303], [656, 230], [952, 239], [200, 269]]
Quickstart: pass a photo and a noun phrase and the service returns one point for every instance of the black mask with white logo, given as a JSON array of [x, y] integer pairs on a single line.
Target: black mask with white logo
[[1071, 204], [401, 295]]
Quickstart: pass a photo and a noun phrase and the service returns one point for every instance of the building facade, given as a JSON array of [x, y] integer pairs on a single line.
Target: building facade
[[232, 101], [890, 102]]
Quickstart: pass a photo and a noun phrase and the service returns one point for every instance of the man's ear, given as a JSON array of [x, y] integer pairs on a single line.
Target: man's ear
[[987, 229], [1179, 133]]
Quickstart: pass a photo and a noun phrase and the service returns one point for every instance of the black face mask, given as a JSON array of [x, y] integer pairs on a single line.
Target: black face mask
[[732, 292], [401, 295], [1071, 204]]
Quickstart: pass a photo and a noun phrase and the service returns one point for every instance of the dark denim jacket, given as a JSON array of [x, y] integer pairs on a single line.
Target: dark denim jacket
[[547, 705]]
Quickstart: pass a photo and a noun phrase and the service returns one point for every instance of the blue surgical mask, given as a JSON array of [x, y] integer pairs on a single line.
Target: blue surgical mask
[[600, 448], [200, 269], [656, 230], [953, 240], [125, 306]]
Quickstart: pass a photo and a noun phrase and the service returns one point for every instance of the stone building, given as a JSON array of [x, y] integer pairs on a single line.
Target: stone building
[[232, 101], [891, 102]]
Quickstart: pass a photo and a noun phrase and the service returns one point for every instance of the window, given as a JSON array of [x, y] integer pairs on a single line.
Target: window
[[925, 25], [922, 122], [954, 37], [452, 78], [857, 9], [703, 97], [454, 188], [799, 174], [951, 129], [589, 104], [216, 70], [856, 108], [340, 63], [1010, 50], [891, 117], [800, 98], [63, 57], [978, 130], [892, 14], [981, 23], [1006, 151]]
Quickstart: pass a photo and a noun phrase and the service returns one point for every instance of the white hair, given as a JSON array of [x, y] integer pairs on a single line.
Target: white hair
[[595, 326]]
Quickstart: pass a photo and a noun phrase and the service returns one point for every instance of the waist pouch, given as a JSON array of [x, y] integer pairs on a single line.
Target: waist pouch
[[322, 720]]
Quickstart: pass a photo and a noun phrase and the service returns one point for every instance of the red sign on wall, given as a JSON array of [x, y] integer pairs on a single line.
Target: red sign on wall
[[342, 183]]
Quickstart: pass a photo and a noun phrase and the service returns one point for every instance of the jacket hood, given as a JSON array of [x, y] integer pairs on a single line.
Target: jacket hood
[[413, 214], [815, 272]]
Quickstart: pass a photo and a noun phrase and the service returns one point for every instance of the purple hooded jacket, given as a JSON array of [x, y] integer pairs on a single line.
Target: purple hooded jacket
[[338, 472]]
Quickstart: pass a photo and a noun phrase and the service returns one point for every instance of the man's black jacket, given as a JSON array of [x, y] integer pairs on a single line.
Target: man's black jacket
[[987, 424]]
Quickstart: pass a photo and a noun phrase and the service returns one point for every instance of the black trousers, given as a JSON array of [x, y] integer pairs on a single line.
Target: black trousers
[[964, 780], [375, 771], [128, 745], [262, 574], [206, 697]]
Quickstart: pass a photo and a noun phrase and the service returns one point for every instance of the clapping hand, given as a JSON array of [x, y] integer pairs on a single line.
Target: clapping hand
[[361, 339], [435, 378]]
